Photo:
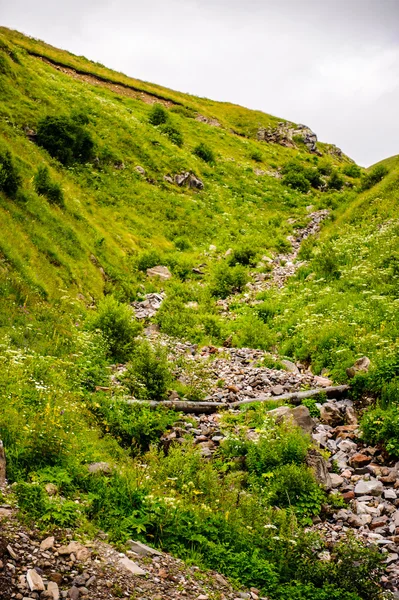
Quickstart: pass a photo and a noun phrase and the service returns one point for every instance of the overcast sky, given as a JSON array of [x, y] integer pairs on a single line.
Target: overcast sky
[[331, 64]]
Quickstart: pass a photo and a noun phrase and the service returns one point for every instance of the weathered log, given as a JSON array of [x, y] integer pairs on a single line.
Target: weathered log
[[2, 465], [334, 391]]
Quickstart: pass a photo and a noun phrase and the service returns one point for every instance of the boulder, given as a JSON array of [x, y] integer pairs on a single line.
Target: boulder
[[47, 544], [359, 460], [131, 566], [373, 487], [159, 271], [99, 467], [362, 365], [300, 415], [190, 180], [284, 135], [290, 367], [336, 480], [140, 170], [35, 582], [330, 414], [142, 549], [319, 466]]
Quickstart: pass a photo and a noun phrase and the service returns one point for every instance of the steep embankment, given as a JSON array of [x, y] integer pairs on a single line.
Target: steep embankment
[[107, 181]]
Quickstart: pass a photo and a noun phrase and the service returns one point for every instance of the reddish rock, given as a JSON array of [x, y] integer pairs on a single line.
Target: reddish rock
[[348, 496], [359, 460], [378, 522]]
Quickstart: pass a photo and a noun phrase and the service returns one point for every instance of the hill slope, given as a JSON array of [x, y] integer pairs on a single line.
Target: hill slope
[[103, 177]]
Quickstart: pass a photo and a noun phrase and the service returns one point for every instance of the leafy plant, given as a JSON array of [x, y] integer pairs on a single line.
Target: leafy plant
[[46, 187], [204, 153], [65, 139], [158, 115], [373, 177], [10, 179], [173, 134], [148, 375]]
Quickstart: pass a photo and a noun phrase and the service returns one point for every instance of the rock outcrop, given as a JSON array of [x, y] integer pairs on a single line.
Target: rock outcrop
[[285, 133]]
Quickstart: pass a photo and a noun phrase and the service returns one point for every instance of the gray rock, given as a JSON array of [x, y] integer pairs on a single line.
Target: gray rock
[[319, 466], [142, 549], [35, 582], [159, 271], [99, 467], [372, 487], [290, 366], [330, 414], [361, 365], [336, 480], [140, 170], [190, 180], [131, 566]]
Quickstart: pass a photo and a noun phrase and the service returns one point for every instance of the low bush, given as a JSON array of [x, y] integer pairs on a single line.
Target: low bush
[[158, 115], [352, 170], [242, 256], [256, 155], [297, 181], [226, 280], [148, 259], [65, 139], [335, 181], [148, 375], [174, 134], [204, 152], [118, 326], [375, 176], [46, 187], [10, 179]]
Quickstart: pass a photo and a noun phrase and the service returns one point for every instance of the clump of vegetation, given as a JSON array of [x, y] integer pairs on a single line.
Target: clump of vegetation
[[204, 153], [297, 181], [148, 375], [256, 155], [244, 255], [335, 181], [226, 280], [352, 170], [46, 187], [173, 134], [118, 326], [158, 115], [65, 139], [10, 179], [376, 175]]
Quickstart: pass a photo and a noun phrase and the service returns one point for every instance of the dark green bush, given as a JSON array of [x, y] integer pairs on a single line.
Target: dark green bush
[[148, 375], [375, 176], [324, 167], [118, 326], [148, 259], [352, 170], [204, 152], [292, 166], [280, 447], [31, 498], [65, 139], [158, 115], [242, 256], [10, 179], [173, 134], [45, 187], [294, 485], [226, 280], [256, 155], [335, 181], [297, 181], [314, 177]]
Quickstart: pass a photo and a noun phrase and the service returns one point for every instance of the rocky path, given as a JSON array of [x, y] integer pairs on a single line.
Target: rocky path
[[33, 567]]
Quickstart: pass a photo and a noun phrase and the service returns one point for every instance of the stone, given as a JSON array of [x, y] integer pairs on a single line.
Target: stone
[[284, 135], [336, 480], [12, 552], [348, 496], [131, 566], [373, 487], [53, 588], [350, 416], [290, 367], [359, 460], [2, 465], [73, 593], [159, 271], [300, 415], [389, 494], [362, 365], [99, 467], [319, 466], [35, 582], [140, 170], [330, 414], [190, 180], [51, 489], [142, 549], [47, 544], [277, 390]]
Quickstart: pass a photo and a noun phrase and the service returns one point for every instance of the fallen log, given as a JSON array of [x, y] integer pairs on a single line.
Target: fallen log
[[333, 391], [2, 465]]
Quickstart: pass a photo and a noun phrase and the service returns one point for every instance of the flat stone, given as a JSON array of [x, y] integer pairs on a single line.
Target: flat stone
[[359, 460], [372, 487], [336, 480], [159, 271], [142, 549], [35, 582], [53, 588], [277, 390], [131, 566], [389, 494], [47, 544]]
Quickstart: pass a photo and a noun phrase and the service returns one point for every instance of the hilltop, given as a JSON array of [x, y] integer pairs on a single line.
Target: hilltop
[[162, 253]]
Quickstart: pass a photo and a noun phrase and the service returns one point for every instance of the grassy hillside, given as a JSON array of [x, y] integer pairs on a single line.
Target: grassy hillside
[[77, 237]]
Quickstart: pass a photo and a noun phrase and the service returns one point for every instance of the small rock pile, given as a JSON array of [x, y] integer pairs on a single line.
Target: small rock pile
[[147, 308], [33, 567], [284, 134]]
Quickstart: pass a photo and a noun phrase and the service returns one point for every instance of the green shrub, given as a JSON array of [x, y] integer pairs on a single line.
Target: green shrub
[[296, 181], [292, 166], [45, 187], [148, 375], [182, 243], [65, 139], [10, 179], [256, 155], [314, 177], [204, 152], [226, 280], [324, 167], [173, 134], [158, 115], [148, 259], [266, 310], [294, 485], [335, 181], [375, 176], [280, 446], [118, 326], [31, 498], [352, 170], [243, 256]]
